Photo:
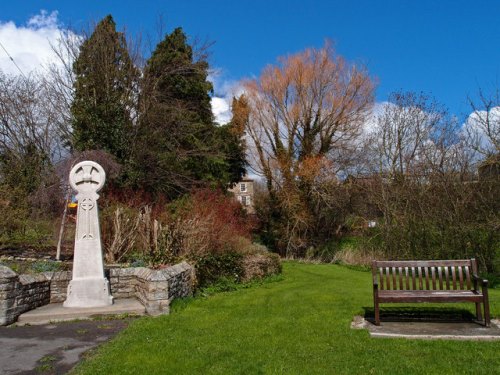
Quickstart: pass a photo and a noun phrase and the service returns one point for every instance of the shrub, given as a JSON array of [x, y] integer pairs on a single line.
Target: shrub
[[119, 231], [214, 267], [236, 267], [260, 265]]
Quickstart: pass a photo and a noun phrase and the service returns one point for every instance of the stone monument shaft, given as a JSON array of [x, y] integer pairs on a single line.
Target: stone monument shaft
[[88, 287]]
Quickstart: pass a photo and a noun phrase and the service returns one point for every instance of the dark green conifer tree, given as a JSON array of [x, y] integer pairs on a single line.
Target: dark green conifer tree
[[179, 147], [106, 80]]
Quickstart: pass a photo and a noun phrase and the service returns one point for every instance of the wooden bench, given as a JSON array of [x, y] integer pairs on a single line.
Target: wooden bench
[[429, 281]]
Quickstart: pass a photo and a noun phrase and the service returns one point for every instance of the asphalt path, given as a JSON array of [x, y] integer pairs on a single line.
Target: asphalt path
[[52, 348]]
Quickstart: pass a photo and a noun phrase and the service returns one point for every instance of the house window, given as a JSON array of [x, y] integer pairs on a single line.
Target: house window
[[245, 201], [243, 187]]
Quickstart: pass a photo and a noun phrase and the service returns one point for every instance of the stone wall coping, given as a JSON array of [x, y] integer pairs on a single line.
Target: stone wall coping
[[113, 272], [28, 279], [7, 273], [140, 272], [57, 275]]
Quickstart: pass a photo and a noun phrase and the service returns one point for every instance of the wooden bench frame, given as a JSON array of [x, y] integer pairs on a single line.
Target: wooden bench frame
[[429, 281]]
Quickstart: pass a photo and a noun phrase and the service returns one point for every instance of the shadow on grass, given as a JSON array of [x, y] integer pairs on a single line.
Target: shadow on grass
[[420, 314]]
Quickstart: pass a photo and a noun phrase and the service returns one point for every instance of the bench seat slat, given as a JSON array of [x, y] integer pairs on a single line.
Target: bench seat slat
[[429, 296]]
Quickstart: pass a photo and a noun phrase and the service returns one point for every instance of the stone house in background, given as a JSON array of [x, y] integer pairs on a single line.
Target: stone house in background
[[244, 193]]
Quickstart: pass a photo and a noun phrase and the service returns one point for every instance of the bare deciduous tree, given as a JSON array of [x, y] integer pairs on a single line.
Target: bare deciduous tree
[[26, 116], [306, 112], [303, 108]]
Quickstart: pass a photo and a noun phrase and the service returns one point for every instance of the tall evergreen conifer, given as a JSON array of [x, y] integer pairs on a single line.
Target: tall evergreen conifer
[[106, 79], [179, 146]]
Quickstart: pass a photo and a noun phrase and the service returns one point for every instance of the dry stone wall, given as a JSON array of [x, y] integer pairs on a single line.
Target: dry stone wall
[[155, 289], [21, 293], [58, 285]]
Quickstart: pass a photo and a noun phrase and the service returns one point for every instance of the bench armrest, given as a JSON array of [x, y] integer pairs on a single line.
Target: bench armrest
[[476, 278]]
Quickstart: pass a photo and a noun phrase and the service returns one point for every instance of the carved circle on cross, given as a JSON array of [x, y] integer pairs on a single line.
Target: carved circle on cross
[[87, 176], [87, 204]]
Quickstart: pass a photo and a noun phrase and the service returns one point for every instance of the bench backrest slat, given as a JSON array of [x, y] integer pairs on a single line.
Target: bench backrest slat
[[440, 272], [407, 278], [400, 272], [447, 277], [413, 279], [461, 277], [467, 277], [424, 275]]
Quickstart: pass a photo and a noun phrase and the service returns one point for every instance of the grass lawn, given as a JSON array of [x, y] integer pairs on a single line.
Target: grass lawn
[[299, 325]]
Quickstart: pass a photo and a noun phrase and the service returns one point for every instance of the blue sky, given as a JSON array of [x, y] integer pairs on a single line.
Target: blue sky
[[444, 48]]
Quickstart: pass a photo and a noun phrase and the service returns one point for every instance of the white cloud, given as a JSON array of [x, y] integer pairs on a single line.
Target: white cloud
[[221, 102], [483, 130], [30, 44], [221, 110]]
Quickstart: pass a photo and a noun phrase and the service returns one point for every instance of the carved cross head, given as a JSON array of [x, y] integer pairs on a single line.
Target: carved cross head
[[87, 177]]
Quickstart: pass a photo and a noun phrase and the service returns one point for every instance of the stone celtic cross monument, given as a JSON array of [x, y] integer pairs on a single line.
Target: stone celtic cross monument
[[89, 287]]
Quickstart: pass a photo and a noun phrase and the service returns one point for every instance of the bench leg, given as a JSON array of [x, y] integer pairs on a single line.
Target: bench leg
[[377, 313], [486, 305], [479, 317]]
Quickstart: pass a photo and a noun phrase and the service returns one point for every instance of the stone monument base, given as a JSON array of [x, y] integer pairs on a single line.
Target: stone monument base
[[88, 293]]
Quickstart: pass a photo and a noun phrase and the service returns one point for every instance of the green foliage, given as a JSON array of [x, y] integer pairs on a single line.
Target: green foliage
[[138, 262], [221, 268], [106, 80], [22, 176], [224, 271], [24, 171], [33, 267], [232, 146], [25, 232], [300, 325], [178, 146], [45, 266]]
